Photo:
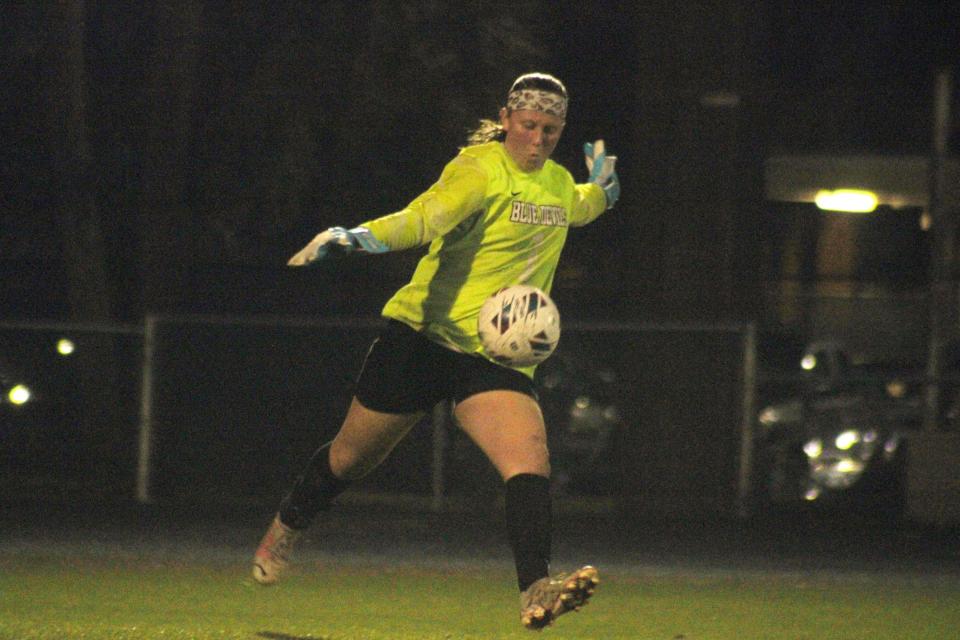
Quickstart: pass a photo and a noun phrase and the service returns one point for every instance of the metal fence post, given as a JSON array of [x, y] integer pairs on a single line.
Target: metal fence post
[[745, 471], [441, 414], [145, 439]]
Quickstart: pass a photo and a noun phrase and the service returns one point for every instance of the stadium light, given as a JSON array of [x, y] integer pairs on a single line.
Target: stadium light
[[846, 200], [65, 346], [19, 394]]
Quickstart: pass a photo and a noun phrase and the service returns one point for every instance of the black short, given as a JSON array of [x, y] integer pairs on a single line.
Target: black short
[[405, 372]]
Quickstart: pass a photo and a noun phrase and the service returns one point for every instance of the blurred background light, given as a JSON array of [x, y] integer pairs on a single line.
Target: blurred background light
[[847, 439], [849, 466], [65, 346], [19, 394], [896, 389], [813, 448], [769, 416], [846, 200]]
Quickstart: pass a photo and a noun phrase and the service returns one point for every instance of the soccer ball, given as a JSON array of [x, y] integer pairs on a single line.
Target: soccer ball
[[519, 326]]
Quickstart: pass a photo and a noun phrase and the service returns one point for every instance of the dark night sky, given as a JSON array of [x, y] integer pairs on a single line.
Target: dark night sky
[[215, 138], [290, 80]]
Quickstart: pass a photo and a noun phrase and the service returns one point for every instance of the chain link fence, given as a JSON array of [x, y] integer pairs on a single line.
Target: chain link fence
[[195, 410]]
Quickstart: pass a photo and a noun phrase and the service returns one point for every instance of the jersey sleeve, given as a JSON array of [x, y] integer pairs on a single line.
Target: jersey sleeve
[[458, 193], [589, 202]]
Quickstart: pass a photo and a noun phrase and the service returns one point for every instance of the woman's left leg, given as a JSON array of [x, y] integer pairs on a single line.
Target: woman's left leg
[[508, 427]]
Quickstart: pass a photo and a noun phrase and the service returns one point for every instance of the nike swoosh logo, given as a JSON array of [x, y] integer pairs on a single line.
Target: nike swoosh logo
[[515, 193]]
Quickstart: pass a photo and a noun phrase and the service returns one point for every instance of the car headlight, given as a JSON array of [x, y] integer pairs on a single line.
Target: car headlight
[[769, 416], [589, 416], [780, 413], [813, 448], [838, 462]]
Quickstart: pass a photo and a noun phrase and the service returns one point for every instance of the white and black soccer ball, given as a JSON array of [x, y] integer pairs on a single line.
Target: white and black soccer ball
[[519, 326]]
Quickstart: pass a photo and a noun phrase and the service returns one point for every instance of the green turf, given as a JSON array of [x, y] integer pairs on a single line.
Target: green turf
[[106, 597]]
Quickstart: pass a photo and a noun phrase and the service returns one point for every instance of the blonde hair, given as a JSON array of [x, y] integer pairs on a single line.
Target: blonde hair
[[487, 131]]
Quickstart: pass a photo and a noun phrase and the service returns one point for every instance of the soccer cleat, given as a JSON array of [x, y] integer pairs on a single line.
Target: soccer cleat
[[548, 598], [272, 555]]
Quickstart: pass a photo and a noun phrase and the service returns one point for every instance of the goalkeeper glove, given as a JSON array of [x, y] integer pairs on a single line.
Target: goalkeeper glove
[[337, 241], [601, 168]]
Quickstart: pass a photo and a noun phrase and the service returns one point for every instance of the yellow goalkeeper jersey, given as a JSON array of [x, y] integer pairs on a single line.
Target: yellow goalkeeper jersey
[[489, 225]]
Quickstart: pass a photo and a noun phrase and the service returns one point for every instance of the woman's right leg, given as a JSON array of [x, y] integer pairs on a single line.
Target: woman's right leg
[[365, 439]]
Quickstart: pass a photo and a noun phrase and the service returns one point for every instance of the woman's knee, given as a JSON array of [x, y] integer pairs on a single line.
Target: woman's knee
[[365, 440], [350, 462], [531, 457]]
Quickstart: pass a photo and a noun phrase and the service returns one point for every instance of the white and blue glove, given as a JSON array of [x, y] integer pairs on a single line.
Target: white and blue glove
[[337, 241], [602, 170]]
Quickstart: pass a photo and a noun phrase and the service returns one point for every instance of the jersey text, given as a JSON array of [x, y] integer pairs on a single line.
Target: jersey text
[[546, 215]]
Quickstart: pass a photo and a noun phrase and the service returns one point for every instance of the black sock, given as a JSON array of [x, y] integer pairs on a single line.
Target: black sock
[[529, 522], [313, 491]]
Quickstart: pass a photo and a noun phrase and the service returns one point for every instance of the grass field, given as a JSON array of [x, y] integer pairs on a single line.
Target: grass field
[[92, 595], [369, 574]]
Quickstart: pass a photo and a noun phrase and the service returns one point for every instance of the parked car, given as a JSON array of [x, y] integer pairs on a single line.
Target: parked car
[[832, 433], [579, 397]]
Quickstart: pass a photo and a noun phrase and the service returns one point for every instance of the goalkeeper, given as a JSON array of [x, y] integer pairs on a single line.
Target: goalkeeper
[[497, 216]]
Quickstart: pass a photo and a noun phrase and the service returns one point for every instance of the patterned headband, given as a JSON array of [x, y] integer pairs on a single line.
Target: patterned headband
[[538, 100]]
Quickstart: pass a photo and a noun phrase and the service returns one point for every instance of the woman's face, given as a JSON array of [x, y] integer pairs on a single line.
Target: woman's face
[[531, 136]]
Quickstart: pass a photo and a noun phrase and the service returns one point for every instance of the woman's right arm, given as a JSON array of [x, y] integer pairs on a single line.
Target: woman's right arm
[[458, 193]]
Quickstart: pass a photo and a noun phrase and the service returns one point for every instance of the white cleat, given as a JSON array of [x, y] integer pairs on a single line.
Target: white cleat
[[271, 558]]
